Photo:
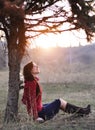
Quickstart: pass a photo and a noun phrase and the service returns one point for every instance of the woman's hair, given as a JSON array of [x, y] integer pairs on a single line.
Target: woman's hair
[[27, 72]]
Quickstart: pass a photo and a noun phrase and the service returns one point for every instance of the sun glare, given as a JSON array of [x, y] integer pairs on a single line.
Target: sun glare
[[66, 39], [45, 41]]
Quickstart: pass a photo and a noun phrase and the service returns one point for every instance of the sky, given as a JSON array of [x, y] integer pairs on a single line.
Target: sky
[[65, 39]]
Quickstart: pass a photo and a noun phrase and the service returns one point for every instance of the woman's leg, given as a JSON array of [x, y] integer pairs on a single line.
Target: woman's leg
[[50, 109], [63, 104], [70, 108]]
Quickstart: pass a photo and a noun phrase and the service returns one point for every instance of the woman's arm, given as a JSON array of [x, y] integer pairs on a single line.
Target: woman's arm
[[32, 97]]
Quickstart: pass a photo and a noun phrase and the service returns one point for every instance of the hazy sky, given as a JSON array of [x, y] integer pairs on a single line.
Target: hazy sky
[[64, 39], [73, 38]]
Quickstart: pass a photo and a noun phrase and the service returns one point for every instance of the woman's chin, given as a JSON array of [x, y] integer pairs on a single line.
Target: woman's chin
[[36, 73]]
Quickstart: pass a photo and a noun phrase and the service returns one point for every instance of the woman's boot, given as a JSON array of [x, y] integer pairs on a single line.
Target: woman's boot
[[79, 110]]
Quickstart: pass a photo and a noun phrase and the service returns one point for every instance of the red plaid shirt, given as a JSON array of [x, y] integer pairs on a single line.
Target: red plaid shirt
[[31, 99]]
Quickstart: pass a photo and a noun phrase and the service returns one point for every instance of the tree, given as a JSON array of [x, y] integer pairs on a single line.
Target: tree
[[24, 19]]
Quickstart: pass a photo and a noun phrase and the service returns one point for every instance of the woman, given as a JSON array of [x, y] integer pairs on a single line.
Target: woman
[[32, 98]]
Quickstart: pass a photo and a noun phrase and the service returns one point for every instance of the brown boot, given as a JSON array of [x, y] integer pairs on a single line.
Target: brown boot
[[77, 110]]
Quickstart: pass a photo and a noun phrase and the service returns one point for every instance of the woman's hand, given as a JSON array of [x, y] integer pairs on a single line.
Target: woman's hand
[[40, 120]]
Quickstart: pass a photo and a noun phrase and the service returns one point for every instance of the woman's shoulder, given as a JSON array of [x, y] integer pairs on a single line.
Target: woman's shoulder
[[31, 83]]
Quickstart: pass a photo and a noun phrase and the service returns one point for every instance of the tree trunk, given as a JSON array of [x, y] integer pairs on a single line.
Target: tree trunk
[[16, 47], [13, 91]]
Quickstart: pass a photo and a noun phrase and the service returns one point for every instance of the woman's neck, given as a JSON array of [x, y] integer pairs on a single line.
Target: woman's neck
[[36, 76]]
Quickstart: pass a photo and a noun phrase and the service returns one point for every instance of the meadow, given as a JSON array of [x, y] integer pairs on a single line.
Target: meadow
[[79, 93], [67, 73]]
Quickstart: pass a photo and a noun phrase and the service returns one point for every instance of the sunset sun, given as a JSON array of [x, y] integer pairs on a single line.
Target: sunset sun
[[45, 41], [66, 39]]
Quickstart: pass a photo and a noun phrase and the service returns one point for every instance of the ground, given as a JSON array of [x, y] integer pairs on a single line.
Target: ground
[[77, 93]]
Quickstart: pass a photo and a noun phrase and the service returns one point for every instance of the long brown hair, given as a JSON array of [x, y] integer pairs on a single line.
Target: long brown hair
[[27, 72]]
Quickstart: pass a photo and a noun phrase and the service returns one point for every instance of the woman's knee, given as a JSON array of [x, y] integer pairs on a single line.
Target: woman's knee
[[63, 104]]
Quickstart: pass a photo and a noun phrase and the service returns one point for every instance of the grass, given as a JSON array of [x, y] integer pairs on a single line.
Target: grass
[[77, 93]]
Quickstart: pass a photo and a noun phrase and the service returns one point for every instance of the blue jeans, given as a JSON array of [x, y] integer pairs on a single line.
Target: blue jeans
[[50, 110]]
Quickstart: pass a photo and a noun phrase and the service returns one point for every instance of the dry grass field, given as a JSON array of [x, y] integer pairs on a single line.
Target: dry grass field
[[65, 73], [78, 93]]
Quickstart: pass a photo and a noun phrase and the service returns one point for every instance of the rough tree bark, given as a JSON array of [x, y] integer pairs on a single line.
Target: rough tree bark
[[16, 46], [13, 91]]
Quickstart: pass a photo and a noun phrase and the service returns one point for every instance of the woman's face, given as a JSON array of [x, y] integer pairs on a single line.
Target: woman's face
[[35, 69]]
